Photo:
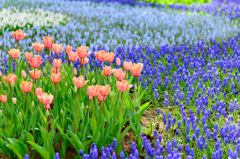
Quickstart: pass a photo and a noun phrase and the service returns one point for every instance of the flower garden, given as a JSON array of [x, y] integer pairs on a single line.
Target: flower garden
[[127, 79]]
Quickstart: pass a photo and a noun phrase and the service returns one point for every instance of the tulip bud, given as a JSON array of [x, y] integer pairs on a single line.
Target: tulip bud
[[111, 94], [47, 113], [75, 71], [0, 73], [61, 111], [93, 81], [82, 106], [20, 115], [71, 65], [75, 90], [32, 105], [14, 100], [118, 61], [23, 73]]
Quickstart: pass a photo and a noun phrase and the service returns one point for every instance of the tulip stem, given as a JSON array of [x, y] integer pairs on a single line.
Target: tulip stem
[[17, 44], [79, 94], [33, 82], [5, 110], [49, 55], [55, 90], [120, 114], [135, 89], [26, 104]]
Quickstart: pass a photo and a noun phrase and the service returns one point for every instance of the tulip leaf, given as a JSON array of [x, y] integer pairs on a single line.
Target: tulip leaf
[[17, 147], [41, 150]]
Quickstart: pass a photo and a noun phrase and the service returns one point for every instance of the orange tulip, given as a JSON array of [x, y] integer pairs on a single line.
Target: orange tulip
[[136, 69], [3, 98], [36, 61], [26, 86], [57, 48], [72, 56], [101, 55], [110, 57], [57, 63], [19, 35], [123, 85], [14, 53], [14, 100], [79, 82], [47, 107], [68, 49], [127, 65], [94, 90], [23, 73], [55, 70], [75, 71], [38, 91], [107, 71], [37, 74], [101, 98], [38, 46], [29, 56], [56, 77], [11, 78], [105, 90], [118, 61], [45, 98], [48, 41], [82, 51], [119, 74], [83, 61]]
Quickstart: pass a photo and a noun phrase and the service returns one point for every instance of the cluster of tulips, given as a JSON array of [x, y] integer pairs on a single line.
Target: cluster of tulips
[[35, 61]]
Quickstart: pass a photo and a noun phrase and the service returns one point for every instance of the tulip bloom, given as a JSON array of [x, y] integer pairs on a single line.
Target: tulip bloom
[[56, 77], [101, 55], [14, 53], [14, 100], [47, 107], [57, 48], [118, 61], [119, 74], [19, 35], [23, 73], [72, 56], [105, 90], [110, 57], [48, 41], [94, 90], [127, 65], [38, 91], [101, 98], [3, 98], [68, 49], [36, 61], [57, 63], [45, 98], [75, 71], [83, 61], [79, 82], [55, 70], [123, 85], [36, 75], [136, 69], [82, 51], [26, 86], [107, 71], [38, 46], [29, 56], [11, 78]]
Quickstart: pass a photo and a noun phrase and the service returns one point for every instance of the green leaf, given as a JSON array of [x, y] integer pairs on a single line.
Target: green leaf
[[41, 150], [74, 140], [17, 147], [28, 136]]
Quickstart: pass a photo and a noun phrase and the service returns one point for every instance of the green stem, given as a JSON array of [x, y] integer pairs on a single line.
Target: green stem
[[49, 55], [33, 82], [26, 104], [5, 110], [120, 114], [17, 44]]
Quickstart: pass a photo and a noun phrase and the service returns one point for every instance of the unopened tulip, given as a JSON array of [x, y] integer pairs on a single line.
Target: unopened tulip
[[14, 100], [23, 73], [19, 35], [26, 86], [83, 61], [0, 73], [56, 77], [36, 61], [118, 61], [29, 56], [48, 41], [57, 63], [82, 51], [37, 74], [75, 71], [94, 90], [38, 91], [101, 55], [101, 98], [57, 48], [104, 90], [119, 74], [136, 69], [68, 49], [107, 71], [127, 65], [90, 98], [14, 53], [72, 56], [3, 98], [123, 85], [45, 98], [11, 78], [38, 46], [79, 81], [110, 57]]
